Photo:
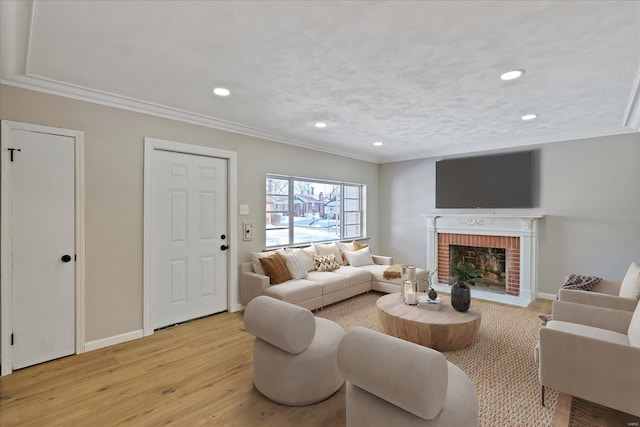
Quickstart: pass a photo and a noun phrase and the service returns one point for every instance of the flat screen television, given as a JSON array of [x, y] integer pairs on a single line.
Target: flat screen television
[[493, 181]]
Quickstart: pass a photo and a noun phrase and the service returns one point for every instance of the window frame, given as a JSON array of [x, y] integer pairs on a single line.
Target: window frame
[[291, 180]]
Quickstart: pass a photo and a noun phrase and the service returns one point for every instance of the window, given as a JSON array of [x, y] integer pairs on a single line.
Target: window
[[302, 211]]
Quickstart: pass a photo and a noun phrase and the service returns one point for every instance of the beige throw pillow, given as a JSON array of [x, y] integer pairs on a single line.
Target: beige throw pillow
[[329, 249], [630, 287], [255, 259]]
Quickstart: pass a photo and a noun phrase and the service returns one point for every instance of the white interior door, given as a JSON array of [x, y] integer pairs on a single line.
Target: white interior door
[[42, 204], [189, 237]]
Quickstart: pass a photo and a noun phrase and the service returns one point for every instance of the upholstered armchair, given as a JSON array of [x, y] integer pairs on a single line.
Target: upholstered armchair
[[392, 382], [592, 353], [617, 295], [294, 353]]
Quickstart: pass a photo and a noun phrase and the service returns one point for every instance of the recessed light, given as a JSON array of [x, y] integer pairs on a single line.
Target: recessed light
[[511, 75], [220, 91], [320, 125], [529, 116], [378, 144]]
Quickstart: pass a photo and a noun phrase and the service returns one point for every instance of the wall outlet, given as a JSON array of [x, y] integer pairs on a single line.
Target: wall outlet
[[248, 231]]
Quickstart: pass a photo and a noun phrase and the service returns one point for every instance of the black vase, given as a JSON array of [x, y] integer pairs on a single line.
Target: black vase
[[432, 294], [460, 296]]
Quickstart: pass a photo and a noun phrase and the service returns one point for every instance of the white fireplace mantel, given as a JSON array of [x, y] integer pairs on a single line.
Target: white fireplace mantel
[[523, 226]]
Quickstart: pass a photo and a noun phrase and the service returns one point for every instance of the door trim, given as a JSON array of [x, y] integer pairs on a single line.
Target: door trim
[[6, 256], [151, 144]]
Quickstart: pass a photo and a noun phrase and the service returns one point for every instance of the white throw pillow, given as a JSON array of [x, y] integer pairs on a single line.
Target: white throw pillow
[[329, 249], [359, 258], [255, 260], [295, 266], [306, 255], [630, 287]]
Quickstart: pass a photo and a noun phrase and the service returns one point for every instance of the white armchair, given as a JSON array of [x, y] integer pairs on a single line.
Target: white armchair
[[592, 353], [617, 295]]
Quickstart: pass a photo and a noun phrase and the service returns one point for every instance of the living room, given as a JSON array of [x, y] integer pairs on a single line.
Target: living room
[[585, 186]]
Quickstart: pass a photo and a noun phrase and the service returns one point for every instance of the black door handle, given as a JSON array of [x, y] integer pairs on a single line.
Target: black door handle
[[66, 258], [224, 247]]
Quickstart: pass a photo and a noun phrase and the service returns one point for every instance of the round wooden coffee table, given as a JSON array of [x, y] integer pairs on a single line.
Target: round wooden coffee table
[[442, 329]]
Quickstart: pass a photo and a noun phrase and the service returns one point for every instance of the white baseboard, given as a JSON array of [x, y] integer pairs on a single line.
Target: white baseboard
[[542, 295], [116, 339]]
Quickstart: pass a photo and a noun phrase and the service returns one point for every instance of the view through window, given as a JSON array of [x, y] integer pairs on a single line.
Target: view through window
[[303, 211]]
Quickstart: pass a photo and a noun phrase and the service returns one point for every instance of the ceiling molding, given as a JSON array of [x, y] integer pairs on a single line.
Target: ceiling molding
[[632, 115], [41, 84]]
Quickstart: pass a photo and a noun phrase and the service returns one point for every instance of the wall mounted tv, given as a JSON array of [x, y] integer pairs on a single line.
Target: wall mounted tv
[[493, 181]]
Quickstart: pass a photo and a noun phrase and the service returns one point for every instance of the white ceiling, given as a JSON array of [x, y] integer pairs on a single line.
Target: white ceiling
[[422, 77]]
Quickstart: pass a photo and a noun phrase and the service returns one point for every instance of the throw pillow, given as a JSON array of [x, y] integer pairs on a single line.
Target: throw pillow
[[579, 282], [329, 249], [359, 258], [306, 255], [630, 287], [276, 268], [357, 246], [255, 259], [325, 262], [295, 266], [343, 247]]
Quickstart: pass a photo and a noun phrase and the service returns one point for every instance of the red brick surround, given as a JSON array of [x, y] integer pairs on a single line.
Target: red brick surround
[[510, 244]]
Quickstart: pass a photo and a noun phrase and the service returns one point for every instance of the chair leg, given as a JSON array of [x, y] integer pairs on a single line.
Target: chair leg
[[542, 395]]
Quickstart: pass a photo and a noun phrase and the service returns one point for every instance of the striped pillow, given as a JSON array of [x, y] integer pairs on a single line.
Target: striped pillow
[[295, 266]]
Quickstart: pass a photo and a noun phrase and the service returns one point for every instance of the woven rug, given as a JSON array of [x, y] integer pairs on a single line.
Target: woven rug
[[576, 412], [499, 362]]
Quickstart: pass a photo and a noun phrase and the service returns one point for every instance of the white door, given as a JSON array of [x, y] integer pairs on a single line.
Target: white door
[[42, 180], [189, 237]]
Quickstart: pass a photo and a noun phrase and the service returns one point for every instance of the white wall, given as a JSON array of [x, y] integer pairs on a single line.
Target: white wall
[[588, 190], [114, 189]]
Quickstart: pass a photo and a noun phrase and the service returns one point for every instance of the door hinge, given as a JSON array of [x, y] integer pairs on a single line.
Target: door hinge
[[11, 338], [11, 150]]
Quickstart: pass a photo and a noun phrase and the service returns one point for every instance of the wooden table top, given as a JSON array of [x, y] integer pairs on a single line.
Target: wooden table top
[[394, 305]]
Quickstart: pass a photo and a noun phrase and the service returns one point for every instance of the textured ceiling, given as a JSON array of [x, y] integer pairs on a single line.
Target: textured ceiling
[[422, 77]]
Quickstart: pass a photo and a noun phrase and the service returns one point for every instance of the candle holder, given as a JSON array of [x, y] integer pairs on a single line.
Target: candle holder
[[410, 295]]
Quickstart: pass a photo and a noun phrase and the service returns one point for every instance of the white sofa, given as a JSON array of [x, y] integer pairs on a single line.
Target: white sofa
[[321, 288]]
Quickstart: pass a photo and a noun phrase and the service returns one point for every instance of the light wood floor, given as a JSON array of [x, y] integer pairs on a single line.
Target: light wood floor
[[198, 373]]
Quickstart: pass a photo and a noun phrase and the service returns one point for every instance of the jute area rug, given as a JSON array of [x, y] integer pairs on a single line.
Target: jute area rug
[[499, 362]]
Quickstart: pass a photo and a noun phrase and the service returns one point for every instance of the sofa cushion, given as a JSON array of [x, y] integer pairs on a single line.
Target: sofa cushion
[[276, 268], [295, 266], [330, 281], [325, 262], [295, 291], [306, 255], [329, 249], [356, 275], [630, 287], [359, 258]]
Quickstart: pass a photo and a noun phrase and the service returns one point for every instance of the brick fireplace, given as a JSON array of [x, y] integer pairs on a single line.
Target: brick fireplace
[[514, 236], [509, 266]]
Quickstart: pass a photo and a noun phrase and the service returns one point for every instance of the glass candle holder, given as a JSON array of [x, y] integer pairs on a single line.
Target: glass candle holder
[[410, 296]]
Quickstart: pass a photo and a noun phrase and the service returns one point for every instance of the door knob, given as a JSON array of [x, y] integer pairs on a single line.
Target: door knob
[[224, 247], [66, 258], [223, 236]]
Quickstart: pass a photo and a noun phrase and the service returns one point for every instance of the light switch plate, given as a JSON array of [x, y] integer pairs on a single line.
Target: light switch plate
[[244, 209]]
